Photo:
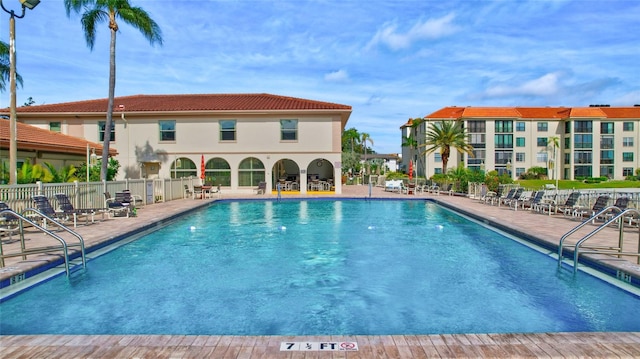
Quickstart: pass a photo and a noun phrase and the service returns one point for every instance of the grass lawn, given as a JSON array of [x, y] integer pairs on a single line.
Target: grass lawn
[[564, 184]]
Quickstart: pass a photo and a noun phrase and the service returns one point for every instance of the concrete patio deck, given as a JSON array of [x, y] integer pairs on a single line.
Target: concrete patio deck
[[542, 228]]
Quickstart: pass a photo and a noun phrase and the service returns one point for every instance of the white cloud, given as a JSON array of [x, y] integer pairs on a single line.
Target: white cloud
[[546, 85], [429, 29], [337, 76]]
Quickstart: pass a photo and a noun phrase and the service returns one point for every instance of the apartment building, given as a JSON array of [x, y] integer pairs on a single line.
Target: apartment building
[[593, 141], [232, 140]]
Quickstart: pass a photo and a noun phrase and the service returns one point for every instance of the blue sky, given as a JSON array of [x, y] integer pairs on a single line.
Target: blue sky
[[389, 60]]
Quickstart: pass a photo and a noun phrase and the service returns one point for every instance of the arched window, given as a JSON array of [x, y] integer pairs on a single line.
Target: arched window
[[217, 172], [250, 172], [183, 167]]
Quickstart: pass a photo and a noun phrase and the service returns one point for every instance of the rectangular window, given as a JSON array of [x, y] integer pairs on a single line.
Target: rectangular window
[[477, 139], [606, 157], [606, 142], [606, 128], [582, 157], [520, 126], [55, 126], [504, 126], [476, 126], [567, 158], [543, 126], [167, 130], [583, 126], [606, 171], [504, 141], [478, 156], [627, 171], [519, 156], [542, 157], [289, 130], [567, 127], [227, 130], [627, 141], [502, 157], [627, 126], [627, 156], [567, 143], [542, 141], [582, 171], [101, 127], [520, 171], [519, 141], [437, 157], [583, 141]]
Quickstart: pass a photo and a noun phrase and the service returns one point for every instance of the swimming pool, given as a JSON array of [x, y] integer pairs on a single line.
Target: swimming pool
[[321, 267]]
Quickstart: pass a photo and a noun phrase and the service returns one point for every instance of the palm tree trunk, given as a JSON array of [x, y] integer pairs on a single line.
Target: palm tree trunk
[[109, 124]]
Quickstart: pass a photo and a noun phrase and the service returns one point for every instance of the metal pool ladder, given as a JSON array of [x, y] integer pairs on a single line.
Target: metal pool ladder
[[601, 249], [64, 246]]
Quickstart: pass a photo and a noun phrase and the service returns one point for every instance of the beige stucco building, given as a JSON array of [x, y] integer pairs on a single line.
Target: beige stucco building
[[243, 139], [594, 141]]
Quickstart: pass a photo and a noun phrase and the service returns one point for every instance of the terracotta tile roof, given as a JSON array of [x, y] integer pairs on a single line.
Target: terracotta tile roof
[[447, 112], [536, 112], [587, 112], [491, 112], [544, 112], [622, 112], [188, 102], [35, 138]]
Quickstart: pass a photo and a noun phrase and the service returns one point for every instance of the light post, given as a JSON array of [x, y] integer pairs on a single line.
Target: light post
[[509, 168], [13, 132]]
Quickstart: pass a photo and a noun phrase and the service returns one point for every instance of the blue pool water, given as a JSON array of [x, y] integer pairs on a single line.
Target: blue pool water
[[321, 267]]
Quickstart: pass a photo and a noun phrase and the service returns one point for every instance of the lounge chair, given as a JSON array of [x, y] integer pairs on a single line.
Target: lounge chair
[[44, 206], [621, 203], [8, 222], [65, 206], [512, 195], [531, 202], [393, 185], [566, 208], [116, 208], [598, 205]]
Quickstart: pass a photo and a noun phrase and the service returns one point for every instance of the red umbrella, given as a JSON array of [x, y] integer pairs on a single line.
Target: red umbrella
[[202, 168], [410, 169]]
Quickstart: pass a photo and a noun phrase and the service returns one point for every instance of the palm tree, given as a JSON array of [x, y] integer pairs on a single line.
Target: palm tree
[[446, 134], [97, 11], [5, 67], [350, 138], [555, 142]]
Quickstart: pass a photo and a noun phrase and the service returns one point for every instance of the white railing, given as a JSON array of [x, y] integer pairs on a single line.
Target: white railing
[[92, 194]]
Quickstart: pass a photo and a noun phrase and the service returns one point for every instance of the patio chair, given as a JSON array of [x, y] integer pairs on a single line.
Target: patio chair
[[114, 207], [65, 206], [187, 191], [262, 188]]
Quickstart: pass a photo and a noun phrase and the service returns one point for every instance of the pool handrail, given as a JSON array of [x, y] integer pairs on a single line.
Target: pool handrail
[[22, 217]]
